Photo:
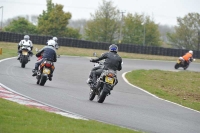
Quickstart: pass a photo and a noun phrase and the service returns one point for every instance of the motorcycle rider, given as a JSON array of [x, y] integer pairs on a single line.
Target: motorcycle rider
[[98, 68], [47, 52], [112, 61], [188, 57], [26, 39], [56, 40]]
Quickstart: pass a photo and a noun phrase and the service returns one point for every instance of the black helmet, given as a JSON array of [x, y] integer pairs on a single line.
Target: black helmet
[[113, 48]]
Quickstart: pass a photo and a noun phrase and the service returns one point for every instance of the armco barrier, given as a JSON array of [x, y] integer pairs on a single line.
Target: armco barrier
[[71, 42]]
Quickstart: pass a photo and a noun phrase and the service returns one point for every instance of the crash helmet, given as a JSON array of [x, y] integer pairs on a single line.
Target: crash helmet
[[113, 48], [51, 43], [191, 52], [55, 39], [26, 37]]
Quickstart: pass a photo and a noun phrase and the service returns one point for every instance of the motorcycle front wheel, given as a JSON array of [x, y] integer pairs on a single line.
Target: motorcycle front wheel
[[176, 66], [23, 65], [24, 60], [91, 95]]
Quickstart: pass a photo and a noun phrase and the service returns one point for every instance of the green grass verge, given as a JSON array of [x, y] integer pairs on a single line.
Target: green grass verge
[[180, 87], [10, 49], [15, 118]]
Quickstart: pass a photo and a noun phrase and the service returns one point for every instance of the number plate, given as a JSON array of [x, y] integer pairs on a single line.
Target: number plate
[[178, 61], [46, 71], [109, 80], [24, 53]]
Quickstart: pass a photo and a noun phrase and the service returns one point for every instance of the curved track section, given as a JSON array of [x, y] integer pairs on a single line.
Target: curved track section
[[127, 106]]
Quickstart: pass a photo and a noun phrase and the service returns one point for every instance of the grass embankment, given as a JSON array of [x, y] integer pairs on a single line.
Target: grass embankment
[[15, 118], [10, 49], [180, 87]]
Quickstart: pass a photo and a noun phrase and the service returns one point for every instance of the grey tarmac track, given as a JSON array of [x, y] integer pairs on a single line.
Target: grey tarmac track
[[126, 106]]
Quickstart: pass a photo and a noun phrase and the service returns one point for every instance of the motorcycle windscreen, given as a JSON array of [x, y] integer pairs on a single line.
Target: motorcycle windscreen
[[46, 71], [109, 80]]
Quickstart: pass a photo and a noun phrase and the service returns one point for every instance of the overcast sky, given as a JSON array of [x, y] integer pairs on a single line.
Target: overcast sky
[[163, 11]]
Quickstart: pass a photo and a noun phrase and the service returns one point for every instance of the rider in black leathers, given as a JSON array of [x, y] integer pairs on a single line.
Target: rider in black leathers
[[112, 61], [47, 52]]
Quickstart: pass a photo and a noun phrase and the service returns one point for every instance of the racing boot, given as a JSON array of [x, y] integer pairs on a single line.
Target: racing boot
[[18, 56], [34, 72], [50, 77]]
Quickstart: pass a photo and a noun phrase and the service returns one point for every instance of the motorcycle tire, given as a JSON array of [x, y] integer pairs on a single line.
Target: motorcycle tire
[[176, 66], [101, 96], [43, 80], [185, 67], [24, 60], [38, 81], [23, 65], [91, 95]]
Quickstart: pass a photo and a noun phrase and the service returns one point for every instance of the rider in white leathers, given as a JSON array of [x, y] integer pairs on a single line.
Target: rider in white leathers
[[25, 42], [56, 40]]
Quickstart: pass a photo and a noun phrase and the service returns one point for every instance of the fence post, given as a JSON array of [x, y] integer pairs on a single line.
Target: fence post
[[0, 51]]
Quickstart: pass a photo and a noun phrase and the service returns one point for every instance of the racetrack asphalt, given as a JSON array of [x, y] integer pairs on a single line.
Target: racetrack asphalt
[[127, 106]]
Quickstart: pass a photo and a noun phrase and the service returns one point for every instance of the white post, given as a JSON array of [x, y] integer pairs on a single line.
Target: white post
[[2, 18]]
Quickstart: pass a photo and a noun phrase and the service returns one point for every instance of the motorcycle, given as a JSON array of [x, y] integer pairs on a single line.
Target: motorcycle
[[44, 71], [105, 83], [25, 54], [181, 63]]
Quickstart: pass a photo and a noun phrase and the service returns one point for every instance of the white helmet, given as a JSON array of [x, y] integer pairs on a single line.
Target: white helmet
[[191, 52], [51, 43], [55, 39], [26, 37]]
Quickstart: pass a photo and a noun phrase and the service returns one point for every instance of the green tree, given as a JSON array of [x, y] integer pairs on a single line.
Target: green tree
[[22, 26], [54, 21], [104, 23], [137, 30], [186, 33], [72, 33], [132, 29], [152, 34]]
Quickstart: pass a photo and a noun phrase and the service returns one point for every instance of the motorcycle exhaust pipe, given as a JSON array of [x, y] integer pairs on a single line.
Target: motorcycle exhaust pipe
[[38, 73]]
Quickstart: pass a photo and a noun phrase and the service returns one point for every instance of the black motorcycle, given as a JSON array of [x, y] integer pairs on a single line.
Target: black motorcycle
[[25, 54], [182, 63], [105, 83]]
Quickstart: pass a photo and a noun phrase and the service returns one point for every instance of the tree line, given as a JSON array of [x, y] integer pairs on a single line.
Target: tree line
[[109, 24]]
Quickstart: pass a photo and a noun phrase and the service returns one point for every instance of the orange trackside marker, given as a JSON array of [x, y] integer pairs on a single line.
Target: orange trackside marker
[[0, 51]]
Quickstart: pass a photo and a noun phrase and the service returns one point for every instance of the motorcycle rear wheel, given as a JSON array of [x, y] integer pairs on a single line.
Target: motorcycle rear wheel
[[101, 97], [43, 80]]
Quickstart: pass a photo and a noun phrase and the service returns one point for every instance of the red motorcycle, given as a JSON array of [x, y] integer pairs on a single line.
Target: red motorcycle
[[44, 71]]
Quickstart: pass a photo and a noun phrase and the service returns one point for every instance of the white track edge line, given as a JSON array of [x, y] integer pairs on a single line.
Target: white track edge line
[[81, 117], [123, 76]]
